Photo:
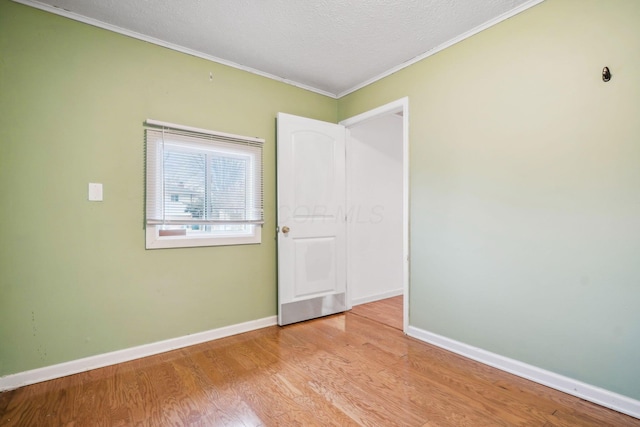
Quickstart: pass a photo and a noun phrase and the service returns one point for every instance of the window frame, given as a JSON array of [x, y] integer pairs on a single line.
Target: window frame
[[206, 144]]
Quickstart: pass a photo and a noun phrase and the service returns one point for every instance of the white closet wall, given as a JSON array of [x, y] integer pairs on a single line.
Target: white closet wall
[[374, 203]]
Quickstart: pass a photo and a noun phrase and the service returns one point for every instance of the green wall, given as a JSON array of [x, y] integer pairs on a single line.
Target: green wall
[[75, 279], [525, 189]]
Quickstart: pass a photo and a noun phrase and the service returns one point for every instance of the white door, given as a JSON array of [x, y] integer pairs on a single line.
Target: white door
[[311, 219]]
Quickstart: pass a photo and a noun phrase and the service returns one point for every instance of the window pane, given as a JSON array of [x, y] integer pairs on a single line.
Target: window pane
[[184, 189], [228, 187]]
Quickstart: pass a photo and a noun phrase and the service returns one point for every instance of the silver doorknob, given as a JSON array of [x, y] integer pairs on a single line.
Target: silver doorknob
[[285, 229]]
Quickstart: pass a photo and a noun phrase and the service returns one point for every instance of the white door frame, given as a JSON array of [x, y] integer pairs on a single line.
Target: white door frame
[[399, 106]]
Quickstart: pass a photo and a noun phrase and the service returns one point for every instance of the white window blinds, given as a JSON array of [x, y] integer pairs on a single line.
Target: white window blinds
[[201, 177]]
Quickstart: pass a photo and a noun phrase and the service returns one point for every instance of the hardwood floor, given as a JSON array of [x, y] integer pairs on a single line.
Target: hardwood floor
[[387, 311], [342, 370]]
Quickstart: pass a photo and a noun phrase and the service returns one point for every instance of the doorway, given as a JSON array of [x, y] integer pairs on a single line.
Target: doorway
[[314, 212], [377, 203]]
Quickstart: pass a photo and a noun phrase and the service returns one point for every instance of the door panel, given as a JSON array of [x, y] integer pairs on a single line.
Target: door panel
[[314, 170], [311, 201], [315, 266]]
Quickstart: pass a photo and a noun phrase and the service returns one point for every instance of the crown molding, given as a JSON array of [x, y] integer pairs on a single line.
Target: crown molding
[[443, 46], [172, 46], [178, 48]]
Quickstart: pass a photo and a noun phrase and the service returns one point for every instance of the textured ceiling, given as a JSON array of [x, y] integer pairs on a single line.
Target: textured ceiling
[[331, 46]]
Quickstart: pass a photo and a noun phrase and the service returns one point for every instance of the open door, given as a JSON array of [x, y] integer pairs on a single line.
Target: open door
[[311, 219]]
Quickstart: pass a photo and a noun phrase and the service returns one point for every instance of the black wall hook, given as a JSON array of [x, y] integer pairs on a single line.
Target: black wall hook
[[606, 74]]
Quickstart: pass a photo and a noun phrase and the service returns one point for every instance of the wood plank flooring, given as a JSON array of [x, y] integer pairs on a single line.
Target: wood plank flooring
[[387, 311], [343, 370]]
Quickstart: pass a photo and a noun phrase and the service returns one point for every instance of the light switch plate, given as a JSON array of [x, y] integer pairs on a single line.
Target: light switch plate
[[95, 192]]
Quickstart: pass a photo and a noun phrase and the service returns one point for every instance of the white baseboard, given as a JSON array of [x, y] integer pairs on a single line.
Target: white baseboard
[[377, 297], [594, 394], [21, 379]]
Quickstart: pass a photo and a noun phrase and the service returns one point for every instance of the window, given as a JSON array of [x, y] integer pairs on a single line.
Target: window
[[203, 188]]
